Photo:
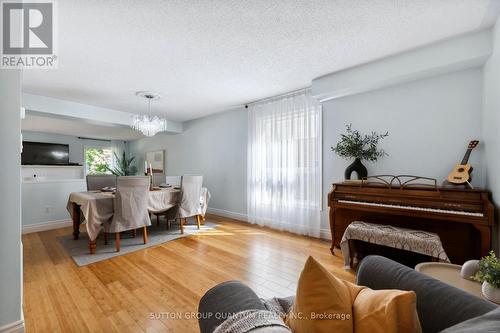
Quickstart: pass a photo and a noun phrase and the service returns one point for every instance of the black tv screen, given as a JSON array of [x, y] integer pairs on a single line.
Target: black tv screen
[[39, 153]]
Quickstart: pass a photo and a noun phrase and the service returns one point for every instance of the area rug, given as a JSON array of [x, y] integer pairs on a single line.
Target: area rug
[[79, 251]]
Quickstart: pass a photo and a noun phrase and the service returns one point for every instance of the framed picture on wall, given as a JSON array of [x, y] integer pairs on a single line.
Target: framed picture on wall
[[156, 159]]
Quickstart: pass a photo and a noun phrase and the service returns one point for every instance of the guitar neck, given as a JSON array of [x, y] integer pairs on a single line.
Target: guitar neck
[[466, 156]]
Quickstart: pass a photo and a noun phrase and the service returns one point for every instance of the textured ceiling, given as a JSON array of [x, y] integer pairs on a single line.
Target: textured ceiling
[[208, 56]]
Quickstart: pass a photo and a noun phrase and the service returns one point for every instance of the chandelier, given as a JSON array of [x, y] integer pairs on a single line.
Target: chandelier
[[148, 124]]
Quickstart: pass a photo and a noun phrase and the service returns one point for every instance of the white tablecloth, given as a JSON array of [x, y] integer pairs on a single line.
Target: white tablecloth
[[97, 207]]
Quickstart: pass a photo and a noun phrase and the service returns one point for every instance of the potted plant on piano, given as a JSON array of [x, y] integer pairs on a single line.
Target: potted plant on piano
[[489, 275], [354, 145]]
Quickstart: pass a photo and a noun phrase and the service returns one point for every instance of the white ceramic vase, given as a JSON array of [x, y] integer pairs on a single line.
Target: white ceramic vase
[[490, 292]]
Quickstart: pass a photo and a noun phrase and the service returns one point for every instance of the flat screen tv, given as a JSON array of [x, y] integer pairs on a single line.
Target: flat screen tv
[[39, 153]]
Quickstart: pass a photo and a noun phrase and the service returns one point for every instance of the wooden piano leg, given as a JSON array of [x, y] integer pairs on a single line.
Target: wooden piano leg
[[332, 229], [485, 232], [76, 220]]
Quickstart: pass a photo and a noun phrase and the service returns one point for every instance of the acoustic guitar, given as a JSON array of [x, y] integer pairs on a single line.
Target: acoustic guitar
[[461, 172]]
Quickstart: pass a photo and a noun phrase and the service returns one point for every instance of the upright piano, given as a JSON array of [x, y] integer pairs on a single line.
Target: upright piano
[[463, 218]]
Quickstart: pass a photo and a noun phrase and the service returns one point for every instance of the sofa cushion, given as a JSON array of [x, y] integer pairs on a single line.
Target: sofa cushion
[[385, 311], [253, 320], [325, 303], [439, 305], [222, 301], [487, 323]]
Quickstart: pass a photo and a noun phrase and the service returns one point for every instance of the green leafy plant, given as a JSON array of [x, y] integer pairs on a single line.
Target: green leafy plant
[[98, 160], [124, 166], [355, 145], [489, 270]]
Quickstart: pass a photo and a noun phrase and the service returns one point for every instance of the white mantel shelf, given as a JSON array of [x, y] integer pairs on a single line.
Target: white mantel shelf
[[35, 174], [46, 181], [50, 166]]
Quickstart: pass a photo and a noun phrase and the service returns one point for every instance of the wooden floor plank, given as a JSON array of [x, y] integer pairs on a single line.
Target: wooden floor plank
[[158, 289]]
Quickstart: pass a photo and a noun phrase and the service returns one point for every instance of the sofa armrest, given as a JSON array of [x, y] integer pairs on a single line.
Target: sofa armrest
[[439, 305], [224, 300]]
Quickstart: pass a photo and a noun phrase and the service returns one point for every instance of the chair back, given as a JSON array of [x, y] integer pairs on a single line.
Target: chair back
[[173, 180], [158, 179], [190, 196], [97, 182], [130, 204]]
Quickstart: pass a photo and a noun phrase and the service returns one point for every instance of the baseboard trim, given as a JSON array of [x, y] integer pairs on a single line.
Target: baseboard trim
[[325, 234], [43, 226], [15, 327], [228, 214]]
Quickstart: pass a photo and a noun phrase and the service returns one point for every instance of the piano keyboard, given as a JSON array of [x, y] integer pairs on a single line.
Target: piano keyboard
[[422, 209]]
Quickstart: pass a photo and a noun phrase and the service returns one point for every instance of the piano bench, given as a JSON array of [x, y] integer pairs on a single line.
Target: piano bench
[[361, 249], [409, 246]]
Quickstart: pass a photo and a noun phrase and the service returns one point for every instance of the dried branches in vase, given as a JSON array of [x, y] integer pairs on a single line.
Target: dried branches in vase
[[360, 147]]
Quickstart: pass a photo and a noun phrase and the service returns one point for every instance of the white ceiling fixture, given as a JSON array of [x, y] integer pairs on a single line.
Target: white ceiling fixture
[[148, 124], [209, 56]]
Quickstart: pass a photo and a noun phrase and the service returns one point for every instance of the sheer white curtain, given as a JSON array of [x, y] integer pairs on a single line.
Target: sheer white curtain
[[284, 164], [117, 147]]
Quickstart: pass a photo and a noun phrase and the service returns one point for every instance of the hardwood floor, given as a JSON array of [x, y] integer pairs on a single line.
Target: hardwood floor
[[135, 292]]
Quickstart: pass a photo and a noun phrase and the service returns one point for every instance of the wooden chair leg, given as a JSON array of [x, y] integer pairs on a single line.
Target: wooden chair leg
[[105, 238], [117, 240], [157, 220], [168, 223], [134, 233], [145, 235], [198, 220], [203, 220], [92, 246], [181, 225]]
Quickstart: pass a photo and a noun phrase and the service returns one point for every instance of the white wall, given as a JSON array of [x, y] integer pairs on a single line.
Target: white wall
[[10, 203], [44, 203], [447, 56], [215, 147], [430, 123], [491, 122], [76, 146]]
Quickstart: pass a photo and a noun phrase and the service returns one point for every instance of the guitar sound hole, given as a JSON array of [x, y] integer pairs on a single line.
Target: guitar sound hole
[[461, 170]]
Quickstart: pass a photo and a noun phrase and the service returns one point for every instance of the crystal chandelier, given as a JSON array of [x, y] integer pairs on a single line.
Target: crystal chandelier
[[148, 124]]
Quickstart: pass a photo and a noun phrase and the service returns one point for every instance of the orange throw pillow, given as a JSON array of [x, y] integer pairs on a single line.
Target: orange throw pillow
[[385, 311], [325, 303]]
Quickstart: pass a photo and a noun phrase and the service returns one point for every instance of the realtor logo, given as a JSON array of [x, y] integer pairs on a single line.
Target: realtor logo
[[28, 30]]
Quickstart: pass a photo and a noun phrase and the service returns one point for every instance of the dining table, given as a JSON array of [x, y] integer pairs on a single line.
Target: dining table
[[95, 208]]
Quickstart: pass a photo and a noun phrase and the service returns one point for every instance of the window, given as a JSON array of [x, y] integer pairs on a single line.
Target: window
[[286, 149], [98, 160], [284, 164]]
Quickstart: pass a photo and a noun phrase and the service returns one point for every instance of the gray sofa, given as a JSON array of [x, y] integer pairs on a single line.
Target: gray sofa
[[439, 306]]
